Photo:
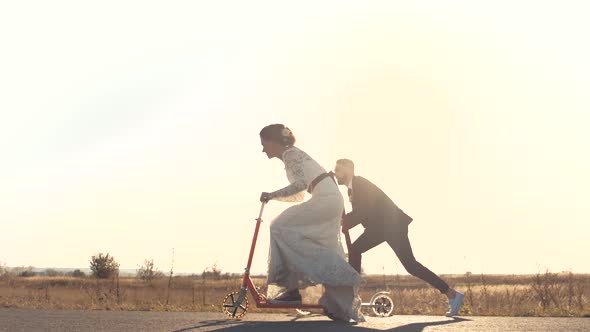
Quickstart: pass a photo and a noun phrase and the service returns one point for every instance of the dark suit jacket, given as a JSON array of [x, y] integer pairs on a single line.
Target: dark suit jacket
[[372, 208]]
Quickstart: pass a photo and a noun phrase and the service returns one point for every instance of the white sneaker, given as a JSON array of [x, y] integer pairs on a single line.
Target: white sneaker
[[455, 304]]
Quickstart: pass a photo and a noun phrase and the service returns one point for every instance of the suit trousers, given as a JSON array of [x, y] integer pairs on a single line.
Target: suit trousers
[[398, 240]]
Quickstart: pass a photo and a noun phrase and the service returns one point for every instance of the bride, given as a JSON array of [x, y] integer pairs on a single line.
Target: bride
[[305, 247]]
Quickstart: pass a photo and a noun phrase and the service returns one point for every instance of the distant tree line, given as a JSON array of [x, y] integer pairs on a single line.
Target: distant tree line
[[29, 271], [104, 266]]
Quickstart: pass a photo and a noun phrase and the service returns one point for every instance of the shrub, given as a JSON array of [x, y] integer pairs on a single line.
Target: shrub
[[76, 274], [103, 266], [52, 273]]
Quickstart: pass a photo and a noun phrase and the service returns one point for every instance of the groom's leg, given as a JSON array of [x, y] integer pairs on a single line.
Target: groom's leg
[[366, 241], [400, 243]]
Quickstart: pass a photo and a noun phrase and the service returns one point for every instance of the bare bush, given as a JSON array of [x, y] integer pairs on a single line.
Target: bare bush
[[3, 270], [211, 272], [147, 272], [545, 287]]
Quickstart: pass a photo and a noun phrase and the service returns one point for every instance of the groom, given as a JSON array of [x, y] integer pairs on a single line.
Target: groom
[[384, 222]]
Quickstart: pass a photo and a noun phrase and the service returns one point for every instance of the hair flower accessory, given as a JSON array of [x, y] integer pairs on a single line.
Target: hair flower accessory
[[286, 132]]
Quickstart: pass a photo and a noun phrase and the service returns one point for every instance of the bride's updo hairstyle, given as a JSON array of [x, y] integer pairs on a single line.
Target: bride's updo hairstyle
[[278, 133]]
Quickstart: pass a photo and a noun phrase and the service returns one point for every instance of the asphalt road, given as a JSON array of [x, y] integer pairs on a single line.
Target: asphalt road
[[70, 320]]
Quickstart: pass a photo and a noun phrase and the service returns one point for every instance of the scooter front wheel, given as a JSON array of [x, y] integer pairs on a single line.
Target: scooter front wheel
[[233, 308]]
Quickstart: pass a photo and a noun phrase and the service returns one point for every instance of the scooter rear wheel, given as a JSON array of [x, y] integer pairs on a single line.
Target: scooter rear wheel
[[232, 309], [382, 305]]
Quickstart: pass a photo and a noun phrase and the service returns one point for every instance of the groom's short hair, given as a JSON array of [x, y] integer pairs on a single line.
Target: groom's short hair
[[346, 163]]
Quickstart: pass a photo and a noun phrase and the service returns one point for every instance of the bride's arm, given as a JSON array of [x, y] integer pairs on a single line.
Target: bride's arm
[[295, 192]]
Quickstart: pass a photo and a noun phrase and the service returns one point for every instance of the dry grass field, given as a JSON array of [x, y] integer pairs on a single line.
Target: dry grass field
[[543, 294]]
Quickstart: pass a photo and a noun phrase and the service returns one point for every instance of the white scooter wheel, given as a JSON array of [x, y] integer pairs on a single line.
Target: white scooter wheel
[[382, 304]]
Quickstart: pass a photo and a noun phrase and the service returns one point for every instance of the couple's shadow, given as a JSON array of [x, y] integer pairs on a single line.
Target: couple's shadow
[[299, 323]]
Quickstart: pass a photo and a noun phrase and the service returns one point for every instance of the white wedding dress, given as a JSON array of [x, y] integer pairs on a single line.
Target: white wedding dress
[[305, 246]]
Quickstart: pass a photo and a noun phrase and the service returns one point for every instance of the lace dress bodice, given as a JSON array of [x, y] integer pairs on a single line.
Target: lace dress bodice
[[301, 170]]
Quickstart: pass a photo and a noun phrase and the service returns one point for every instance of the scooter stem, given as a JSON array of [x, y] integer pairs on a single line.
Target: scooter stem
[[261, 210], [258, 221]]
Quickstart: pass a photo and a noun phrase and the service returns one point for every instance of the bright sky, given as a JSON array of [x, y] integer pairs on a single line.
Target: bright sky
[[132, 127]]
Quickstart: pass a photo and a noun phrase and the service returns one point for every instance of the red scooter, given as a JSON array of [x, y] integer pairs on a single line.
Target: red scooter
[[235, 304]]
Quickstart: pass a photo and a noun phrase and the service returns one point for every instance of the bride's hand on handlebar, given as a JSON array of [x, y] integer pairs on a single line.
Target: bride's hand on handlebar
[[265, 197]]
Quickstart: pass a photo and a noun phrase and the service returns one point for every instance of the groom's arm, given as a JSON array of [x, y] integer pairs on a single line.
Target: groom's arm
[[351, 219], [366, 197]]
